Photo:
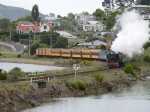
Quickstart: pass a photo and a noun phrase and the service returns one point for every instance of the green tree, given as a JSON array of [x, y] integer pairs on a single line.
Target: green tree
[[37, 45], [61, 43], [147, 58], [146, 45], [4, 25], [71, 16], [35, 13], [110, 20], [3, 75], [143, 2], [99, 14], [15, 74], [26, 18]]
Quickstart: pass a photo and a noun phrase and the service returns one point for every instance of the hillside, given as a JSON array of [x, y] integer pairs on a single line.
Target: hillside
[[13, 13]]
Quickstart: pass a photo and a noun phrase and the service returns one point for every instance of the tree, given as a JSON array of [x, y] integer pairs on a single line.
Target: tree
[[99, 14], [143, 2], [37, 45], [110, 20], [4, 25], [61, 43], [3, 75], [146, 45], [71, 16], [15, 74], [26, 18], [35, 13]]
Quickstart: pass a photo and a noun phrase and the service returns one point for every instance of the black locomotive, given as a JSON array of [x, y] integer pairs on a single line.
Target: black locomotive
[[113, 59]]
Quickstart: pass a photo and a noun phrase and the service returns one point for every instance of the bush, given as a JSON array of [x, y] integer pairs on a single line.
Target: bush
[[99, 78], [3, 75], [86, 62], [147, 58], [76, 84], [146, 45], [103, 47], [19, 56], [15, 74], [129, 69]]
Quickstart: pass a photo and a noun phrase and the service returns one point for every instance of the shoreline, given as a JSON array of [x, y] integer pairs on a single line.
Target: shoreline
[[17, 100], [25, 61]]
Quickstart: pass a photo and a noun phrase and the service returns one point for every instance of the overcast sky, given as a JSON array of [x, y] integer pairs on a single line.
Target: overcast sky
[[61, 7]]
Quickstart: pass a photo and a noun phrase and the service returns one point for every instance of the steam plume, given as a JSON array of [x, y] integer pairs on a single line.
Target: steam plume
[[133, 35]]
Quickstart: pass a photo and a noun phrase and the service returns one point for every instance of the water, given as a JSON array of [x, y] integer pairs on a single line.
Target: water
[[28, 67], [135, 100]]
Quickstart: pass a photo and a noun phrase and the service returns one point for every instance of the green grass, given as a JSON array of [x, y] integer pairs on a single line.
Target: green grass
[[21, 86]]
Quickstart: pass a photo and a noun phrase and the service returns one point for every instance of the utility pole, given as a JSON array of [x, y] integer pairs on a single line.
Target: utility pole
[[10, 27], [10, 35], [29, 49], [50, 41]]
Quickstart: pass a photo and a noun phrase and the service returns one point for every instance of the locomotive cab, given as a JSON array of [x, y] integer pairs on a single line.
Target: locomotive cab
[[114, 60]]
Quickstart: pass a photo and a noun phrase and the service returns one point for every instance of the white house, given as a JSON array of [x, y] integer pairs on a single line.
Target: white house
[[84, 18], [144, 11], [45, 27], [66, 35], [50, 17], [93, 26], [92, 44]]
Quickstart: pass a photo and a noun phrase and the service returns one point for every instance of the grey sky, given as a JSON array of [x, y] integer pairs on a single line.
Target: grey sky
[[57, 6]]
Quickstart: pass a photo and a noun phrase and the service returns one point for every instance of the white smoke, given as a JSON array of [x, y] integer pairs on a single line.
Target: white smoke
[[133, 35]]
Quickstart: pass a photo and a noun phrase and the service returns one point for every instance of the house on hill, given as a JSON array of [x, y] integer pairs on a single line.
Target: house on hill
[[92, 44], [93, 26], [27, 27]]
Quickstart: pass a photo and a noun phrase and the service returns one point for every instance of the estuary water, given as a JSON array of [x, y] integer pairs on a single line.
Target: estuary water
[[28, 67], [136, 99]]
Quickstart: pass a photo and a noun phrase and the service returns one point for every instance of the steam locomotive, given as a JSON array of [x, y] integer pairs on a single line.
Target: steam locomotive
[[114, 60]]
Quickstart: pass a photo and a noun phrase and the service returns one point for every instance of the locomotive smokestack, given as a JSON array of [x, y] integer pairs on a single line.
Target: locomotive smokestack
[[133, 35]]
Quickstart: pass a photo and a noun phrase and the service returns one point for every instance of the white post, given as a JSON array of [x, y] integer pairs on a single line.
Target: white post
[[76, 68], [48, 79], [75, 77]]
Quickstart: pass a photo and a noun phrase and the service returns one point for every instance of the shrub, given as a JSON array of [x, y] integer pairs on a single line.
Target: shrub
[[76, 84], [146, 45], [3, 75], [103, 47], [147, 58], [129, 69], [15, 74], [19, 56], [99, 78], [86, 62]]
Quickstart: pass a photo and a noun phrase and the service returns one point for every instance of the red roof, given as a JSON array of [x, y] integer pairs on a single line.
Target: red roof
[[27, 27]]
